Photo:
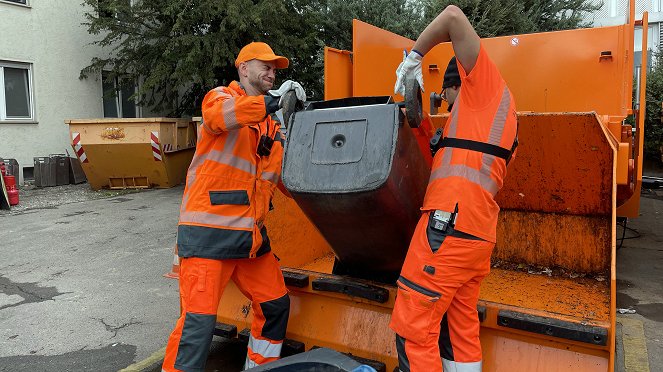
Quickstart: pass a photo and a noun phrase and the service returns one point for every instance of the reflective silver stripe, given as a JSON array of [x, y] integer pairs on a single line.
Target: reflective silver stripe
[[227, 157], [469, 173], [451, 366], [231, 140], [447, 152], [496, 130], [228, 112], [231, 160], [198, 160], [273, 177], [265, 348], [217, 220], [487, 161], [248, 363], [480, 177]]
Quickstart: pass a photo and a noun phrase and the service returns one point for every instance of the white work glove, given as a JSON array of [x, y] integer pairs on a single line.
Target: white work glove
[[409, 68], [287, 86]]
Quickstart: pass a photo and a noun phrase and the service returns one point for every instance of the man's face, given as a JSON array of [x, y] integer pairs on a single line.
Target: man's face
[[259, 75]]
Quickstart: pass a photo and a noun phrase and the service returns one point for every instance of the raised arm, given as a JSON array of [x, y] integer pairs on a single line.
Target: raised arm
[[451, 25], [223, 112]]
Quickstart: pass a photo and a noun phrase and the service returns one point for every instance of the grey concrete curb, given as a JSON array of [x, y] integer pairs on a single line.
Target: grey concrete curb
[[149, 364]]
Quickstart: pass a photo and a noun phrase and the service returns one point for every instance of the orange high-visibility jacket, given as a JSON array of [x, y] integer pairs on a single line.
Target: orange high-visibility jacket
[[484, 112], [229, 187]]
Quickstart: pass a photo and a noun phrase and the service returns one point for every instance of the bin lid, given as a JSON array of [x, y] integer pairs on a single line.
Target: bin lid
[[341, 149]]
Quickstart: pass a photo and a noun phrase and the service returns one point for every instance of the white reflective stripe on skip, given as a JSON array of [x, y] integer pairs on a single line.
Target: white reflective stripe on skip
[[229, 116], [270, 176], [451, 366], [469, 173], [265, 348], [217, 220], [248, 364]]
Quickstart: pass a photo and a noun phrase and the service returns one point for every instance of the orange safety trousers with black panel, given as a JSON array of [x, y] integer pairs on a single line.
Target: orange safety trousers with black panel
[[221, 233], [435, 314]]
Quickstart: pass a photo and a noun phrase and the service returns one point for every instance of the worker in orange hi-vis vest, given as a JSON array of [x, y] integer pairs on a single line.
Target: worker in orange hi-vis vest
[[435, 316], [221, 233]]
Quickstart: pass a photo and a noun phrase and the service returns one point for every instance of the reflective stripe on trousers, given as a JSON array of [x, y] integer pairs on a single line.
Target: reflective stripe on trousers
[[261, 352], [451, 366]]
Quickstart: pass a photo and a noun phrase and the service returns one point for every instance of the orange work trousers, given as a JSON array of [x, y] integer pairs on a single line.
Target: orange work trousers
[[202, 282], [435, 314]]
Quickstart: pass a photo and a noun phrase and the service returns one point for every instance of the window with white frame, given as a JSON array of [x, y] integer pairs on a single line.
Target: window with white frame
[[118, 100], [652, 34], [16, 97], [24, 2]]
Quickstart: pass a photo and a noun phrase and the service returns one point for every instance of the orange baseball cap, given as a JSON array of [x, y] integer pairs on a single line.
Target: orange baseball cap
[[262, 52]]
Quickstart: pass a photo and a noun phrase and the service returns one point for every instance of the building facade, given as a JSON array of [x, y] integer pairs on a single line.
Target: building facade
[[615, 12], [43, 48]]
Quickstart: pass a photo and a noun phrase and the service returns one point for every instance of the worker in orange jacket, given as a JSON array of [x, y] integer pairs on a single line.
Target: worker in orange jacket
[[221, 233], [435, 312]]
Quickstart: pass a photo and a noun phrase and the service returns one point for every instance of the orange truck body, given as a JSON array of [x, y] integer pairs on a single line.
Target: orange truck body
[[549, 302]]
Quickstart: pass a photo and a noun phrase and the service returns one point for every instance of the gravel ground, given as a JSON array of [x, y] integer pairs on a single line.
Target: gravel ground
[[31, 197]]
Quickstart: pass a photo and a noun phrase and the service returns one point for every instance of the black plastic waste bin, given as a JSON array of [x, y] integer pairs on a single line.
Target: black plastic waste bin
[[354, 167], [44, 171]]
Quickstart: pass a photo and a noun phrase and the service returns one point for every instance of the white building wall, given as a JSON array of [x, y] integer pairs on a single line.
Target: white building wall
[[48, 34], [615, 12]]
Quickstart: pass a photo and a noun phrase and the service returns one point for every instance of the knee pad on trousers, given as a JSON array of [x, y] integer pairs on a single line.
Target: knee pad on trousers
[[276, 317], [195, 341]]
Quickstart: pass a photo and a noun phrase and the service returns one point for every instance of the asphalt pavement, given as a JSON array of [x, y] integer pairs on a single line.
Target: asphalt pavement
[[81, 285]]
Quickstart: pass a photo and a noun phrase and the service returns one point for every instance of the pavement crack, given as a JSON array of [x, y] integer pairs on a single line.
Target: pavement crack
[[59, 273], [115, 329]]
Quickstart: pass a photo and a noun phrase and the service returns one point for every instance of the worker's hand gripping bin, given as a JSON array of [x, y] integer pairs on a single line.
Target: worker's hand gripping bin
[[354, 167]]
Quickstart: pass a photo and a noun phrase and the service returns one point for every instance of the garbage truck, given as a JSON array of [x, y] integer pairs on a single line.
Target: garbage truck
[[356, 167]]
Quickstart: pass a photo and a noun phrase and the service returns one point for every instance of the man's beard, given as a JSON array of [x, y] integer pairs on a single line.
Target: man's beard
[[451, 105], [260, 85]]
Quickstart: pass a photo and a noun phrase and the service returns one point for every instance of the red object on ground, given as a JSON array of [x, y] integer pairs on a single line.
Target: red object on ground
[[12, 193], [10, 181]]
